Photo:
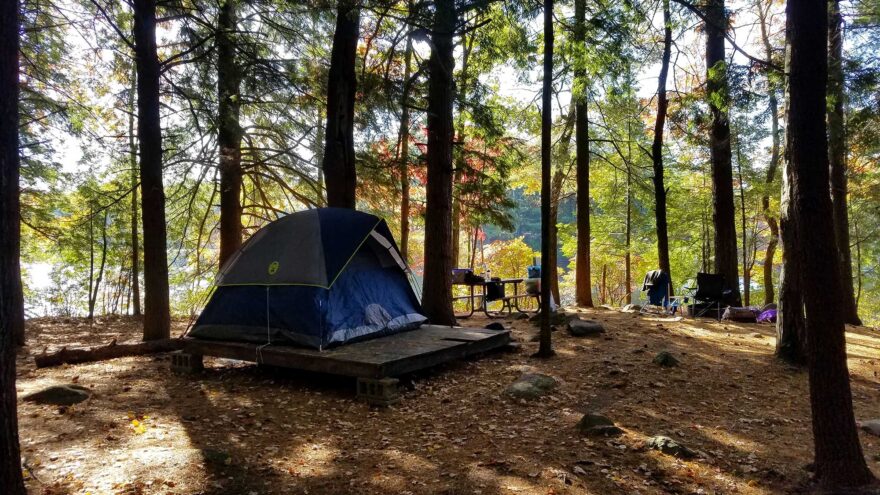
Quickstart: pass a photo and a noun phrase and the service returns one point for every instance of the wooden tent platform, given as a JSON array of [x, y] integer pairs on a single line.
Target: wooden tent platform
[[373, 362]]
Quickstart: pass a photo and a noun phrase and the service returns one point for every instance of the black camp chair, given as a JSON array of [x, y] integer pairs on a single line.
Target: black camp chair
[[710, 293]]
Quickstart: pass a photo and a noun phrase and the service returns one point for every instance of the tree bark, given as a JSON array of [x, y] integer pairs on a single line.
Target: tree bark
[[838, 455], [724, 212], [583, 283], [109, 351], [338, 165], [555, 199], [773, 103], [627, 255], [229, 131], [93, 295], [791, 333], [157, 319], [545, 348], [746, 265], [837, 160], [460, 163], [403, 151], [11, 299], [437, 284], [133, 163], [657, 147]]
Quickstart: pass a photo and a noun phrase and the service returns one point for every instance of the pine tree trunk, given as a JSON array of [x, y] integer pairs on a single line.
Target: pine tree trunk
[[545, 348], [724, 212], [11, 299], [229, 132], [403, 151], [747, 268], [837, 159], [555, 199], [657, 148], [583, 284], [791, 333], [157, 319], [627, 255], [338, 164], [133, 163], [460, 162], [437, 284], [838, 455], [773, 103], [93, 296]]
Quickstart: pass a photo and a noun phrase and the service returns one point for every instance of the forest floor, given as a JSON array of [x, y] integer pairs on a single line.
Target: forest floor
[[243, 429]]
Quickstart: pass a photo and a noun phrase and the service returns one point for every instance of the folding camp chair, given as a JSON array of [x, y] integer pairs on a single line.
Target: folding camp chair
[[710, 293], [658, 287]]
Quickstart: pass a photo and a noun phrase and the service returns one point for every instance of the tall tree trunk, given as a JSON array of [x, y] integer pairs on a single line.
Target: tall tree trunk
[[11, 299], [555, 199], [657, 147], [773, 104], [545, 348], [338, 165], [837, 160], [583, 289], [839, 460], [157, 319], [437, 285], [724, 212], [229, 132], [460, 162], [93, 295], [627, 256], [91, 256], [133, 163], [791, 333], [403, 151], [747, 268]]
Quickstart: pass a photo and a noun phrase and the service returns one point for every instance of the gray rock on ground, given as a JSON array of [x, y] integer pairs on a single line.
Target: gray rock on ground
[[871, 426], [631, 308], [531, 386], [669, 446], [60, 395], [665, 359], [585, 328], [596, 425]]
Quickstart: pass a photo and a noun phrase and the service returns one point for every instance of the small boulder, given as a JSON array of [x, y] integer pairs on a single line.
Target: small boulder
[[585, 328], [494, 326], [60, 395], [595, 425], [871, 426], [531, 386], [670, 447], [631, 308], [665, 359], [557, 318]]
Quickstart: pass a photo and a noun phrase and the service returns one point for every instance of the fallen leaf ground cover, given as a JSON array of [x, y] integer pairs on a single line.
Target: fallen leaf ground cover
[[239, 428]]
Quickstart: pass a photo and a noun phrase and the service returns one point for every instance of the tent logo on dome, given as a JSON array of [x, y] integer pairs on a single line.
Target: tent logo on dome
[[273, 268]]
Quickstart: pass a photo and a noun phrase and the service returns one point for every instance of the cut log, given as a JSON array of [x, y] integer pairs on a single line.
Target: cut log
[[109, 351]]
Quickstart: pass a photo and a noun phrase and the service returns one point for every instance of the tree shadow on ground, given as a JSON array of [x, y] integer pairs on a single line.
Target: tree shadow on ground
[[246, 428]]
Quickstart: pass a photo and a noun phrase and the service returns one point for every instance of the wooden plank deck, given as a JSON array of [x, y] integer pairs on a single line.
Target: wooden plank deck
[[390, 356]]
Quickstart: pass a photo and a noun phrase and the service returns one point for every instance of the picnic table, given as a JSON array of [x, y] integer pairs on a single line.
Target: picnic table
[[508, 302]]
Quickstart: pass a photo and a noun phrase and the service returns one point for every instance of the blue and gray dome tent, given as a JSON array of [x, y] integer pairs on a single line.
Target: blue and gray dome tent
[[316, 278]]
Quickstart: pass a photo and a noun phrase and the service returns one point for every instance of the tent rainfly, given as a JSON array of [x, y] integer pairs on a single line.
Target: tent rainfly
[[316, 278]]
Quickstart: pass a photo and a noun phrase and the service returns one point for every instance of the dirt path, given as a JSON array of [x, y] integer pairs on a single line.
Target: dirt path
[[241, 429]]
